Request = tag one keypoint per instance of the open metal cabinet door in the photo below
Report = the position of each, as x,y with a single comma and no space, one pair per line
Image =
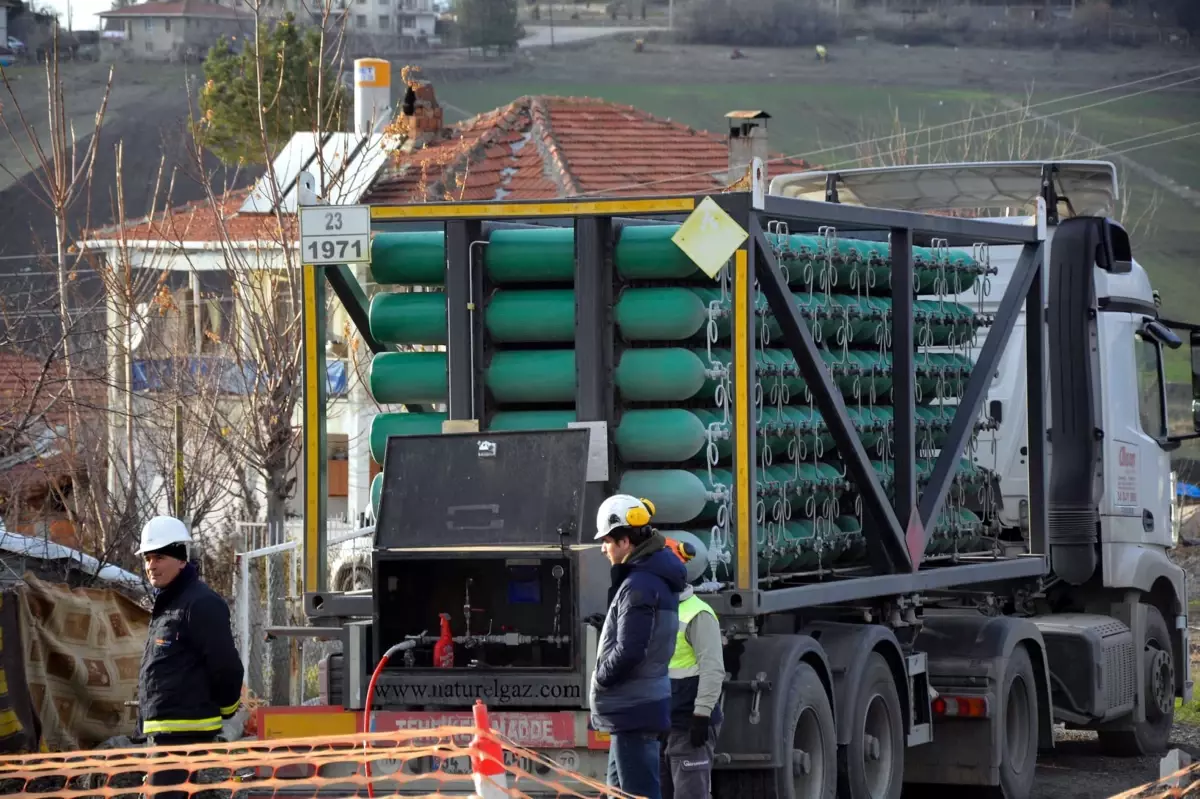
491,490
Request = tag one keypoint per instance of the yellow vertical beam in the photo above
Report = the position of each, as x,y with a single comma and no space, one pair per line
743,498
313,410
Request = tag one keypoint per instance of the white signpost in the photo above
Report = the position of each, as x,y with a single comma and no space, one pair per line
335,234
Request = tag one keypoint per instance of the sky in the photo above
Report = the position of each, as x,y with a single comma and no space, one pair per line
83,12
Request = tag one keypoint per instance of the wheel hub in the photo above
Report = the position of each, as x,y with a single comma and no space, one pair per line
801,763
1160,681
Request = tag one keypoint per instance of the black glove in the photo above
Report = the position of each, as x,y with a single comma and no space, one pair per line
595,620
699,731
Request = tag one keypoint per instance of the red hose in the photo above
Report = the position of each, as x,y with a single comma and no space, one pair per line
367,714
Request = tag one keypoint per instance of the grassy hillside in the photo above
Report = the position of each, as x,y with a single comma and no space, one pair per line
818,121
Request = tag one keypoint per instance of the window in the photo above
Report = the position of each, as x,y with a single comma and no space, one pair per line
361,20
408,22
167,25
149,47
148,24
385,22
1150,387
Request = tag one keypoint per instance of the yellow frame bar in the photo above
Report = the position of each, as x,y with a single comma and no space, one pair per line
558,208
312,432
742,498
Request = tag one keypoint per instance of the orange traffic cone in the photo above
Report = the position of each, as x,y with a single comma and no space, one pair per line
487,758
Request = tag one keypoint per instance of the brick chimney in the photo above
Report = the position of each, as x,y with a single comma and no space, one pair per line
421,114
747,140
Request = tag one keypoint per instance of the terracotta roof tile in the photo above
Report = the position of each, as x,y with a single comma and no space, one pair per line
202,220
535,148
544,147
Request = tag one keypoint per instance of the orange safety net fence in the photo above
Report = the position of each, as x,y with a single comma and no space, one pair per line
1165,788
433,762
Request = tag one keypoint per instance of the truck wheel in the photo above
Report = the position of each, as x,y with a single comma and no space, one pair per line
1019,727
809,769
871,766
1150,737
810,766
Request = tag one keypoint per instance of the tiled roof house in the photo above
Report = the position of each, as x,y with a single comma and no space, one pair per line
536,147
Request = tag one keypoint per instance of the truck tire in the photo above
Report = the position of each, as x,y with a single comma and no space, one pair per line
1150,737
1018,729
808,719
871,766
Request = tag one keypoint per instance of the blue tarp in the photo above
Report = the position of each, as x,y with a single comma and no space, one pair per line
1187,490
156,375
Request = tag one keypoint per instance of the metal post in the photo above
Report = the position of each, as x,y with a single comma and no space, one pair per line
316,467
462,350
745,494
904,397
593,334
1035,394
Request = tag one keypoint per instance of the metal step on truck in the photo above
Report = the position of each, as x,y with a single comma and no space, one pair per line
925,454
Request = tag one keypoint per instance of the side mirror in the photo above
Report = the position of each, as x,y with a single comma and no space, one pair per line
1194,341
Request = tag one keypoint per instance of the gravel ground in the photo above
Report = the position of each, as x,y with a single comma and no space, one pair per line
1077,770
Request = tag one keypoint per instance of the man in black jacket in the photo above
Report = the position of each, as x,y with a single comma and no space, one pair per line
191,676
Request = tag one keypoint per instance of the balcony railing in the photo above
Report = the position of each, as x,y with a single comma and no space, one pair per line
222,374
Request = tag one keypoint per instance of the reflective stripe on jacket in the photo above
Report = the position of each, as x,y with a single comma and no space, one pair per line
191,675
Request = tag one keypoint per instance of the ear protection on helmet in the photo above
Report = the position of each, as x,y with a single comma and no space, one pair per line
638,516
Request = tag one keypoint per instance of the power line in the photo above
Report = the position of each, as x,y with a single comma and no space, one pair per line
1156,143
996,128
1110,145
941,126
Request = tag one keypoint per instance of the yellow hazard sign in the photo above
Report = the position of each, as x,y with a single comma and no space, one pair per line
710,237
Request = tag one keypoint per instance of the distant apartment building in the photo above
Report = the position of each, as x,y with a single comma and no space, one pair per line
174,30
406,22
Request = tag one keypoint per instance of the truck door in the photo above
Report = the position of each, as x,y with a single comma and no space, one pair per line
1136,507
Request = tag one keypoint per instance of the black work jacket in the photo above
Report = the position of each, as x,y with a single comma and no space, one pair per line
191,676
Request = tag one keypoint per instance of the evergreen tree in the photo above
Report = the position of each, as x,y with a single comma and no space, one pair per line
290,61
488,23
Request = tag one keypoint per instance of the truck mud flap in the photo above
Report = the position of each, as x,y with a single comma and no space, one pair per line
752,734
968,654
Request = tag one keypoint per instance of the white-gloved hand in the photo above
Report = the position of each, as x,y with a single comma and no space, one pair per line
233,728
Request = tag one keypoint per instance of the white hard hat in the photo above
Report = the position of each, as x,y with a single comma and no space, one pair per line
622,510
162,531
693,553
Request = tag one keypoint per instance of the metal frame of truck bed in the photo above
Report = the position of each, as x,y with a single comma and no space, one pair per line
886,527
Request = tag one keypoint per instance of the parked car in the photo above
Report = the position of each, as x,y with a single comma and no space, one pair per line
16,45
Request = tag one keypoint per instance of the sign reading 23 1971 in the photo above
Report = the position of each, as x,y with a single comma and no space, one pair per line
335,234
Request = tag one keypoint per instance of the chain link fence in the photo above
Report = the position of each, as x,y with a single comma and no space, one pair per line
268,592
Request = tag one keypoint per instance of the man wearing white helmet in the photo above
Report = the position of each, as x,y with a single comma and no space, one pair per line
191,676
697,672
630,689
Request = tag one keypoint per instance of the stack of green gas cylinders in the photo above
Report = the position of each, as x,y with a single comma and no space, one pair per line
673,377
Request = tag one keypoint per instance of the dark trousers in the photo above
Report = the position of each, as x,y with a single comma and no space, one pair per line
175,776
687,770
633,763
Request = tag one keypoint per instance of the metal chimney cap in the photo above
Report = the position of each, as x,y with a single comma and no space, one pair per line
747,115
